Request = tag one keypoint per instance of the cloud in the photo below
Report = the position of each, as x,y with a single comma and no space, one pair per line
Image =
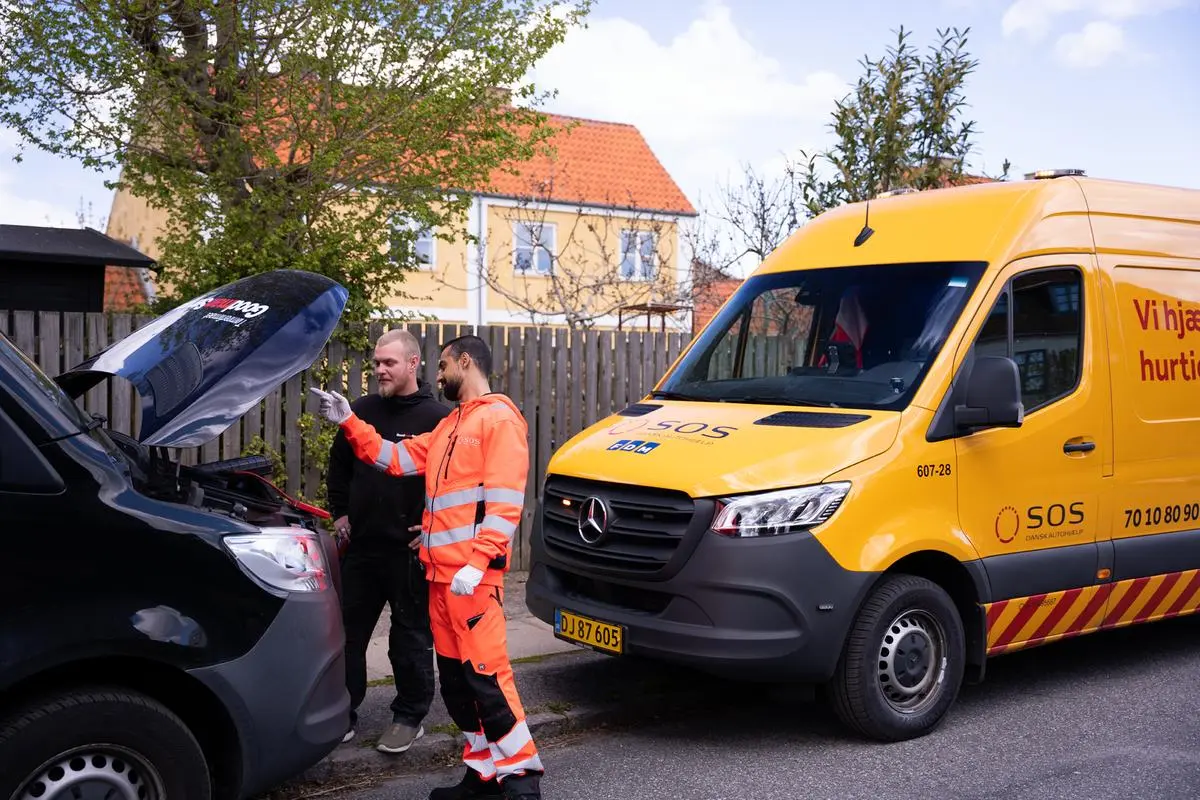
9,139
1092,46
16,207
20,210
1035,18
705,100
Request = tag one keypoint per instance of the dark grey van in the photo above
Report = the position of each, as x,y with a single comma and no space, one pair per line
167,632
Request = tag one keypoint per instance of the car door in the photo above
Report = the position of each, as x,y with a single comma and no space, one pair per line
1031,497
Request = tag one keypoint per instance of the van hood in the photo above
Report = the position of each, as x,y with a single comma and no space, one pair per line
715,449
203,364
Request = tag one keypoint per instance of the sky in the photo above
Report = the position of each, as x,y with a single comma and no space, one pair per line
1108,86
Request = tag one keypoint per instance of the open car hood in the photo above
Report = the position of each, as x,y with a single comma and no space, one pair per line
202,365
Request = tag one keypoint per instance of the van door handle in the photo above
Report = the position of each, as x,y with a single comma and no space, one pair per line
1079,447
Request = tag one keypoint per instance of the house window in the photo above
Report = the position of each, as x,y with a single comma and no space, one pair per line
639,250
411,241
533,248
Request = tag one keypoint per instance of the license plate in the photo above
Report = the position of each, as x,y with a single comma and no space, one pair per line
602,636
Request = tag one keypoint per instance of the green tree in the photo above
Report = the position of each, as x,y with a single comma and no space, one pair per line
283,133
903,126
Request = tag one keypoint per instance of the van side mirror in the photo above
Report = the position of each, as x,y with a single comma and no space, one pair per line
993,396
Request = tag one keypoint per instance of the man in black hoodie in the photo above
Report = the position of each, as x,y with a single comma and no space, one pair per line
376,512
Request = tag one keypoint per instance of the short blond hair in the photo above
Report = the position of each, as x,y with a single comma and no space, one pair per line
409,342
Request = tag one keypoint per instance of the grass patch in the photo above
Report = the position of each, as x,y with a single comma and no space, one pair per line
449,728
547,656
553,707
388,681
529,660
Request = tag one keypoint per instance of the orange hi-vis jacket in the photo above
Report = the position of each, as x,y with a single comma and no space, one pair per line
475,463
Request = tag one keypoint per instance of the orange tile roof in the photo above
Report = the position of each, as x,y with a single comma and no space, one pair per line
966,179
585,161
123,289
708,299
594,163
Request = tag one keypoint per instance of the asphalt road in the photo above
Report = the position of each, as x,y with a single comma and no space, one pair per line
1112,715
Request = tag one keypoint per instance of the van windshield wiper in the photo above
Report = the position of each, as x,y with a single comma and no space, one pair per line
660,395
780,401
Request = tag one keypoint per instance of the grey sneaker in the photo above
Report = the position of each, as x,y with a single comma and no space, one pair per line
398,738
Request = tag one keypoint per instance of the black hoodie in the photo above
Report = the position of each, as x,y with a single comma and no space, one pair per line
380,506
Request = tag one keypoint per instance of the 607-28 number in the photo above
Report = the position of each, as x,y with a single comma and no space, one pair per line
1161,515
932,470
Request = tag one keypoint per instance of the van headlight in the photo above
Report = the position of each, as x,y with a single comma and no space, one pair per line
775,513
290,559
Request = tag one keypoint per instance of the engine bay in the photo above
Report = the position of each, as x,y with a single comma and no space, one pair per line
239,487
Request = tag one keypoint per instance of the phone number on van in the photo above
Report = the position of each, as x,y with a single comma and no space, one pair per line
1161,515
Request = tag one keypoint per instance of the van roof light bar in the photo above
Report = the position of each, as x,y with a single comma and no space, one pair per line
1043,174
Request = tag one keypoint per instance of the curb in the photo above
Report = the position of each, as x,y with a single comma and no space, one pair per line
358,759
638,698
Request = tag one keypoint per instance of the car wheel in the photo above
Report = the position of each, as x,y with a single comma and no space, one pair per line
100,743
902,664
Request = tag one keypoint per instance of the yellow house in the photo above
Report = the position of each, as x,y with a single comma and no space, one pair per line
586,233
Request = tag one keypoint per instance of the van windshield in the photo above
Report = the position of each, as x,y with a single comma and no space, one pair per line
840,337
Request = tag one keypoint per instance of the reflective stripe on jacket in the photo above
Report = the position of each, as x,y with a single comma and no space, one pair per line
475,462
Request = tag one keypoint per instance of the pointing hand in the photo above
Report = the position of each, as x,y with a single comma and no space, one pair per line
333,406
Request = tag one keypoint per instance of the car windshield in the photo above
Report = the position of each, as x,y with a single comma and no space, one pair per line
842,337
21,363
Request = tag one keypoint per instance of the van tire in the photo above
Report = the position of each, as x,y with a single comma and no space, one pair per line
105,730
878,695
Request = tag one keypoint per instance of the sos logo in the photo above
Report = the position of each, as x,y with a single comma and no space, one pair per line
1010,521
1055,515
672,426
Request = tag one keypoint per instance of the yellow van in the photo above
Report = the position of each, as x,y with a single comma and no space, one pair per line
940,428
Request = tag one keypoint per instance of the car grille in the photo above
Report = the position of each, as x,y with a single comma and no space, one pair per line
645,525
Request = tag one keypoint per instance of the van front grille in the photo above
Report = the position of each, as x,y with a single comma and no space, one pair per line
644,526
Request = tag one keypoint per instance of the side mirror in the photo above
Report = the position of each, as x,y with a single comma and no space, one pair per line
993,396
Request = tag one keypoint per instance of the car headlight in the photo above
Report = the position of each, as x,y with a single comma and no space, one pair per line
774,513
290,559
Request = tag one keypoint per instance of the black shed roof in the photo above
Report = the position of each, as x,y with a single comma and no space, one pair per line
67,246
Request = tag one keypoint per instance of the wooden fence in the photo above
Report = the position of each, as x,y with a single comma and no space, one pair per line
563,381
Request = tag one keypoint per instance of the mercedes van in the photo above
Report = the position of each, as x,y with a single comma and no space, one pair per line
166,631
928,430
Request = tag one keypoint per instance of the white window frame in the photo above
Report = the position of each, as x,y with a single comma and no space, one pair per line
424,235
640,272
545,240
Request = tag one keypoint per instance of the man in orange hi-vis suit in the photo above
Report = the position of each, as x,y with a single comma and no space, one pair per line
475,464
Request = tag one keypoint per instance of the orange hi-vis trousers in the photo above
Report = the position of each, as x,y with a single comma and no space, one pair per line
470,640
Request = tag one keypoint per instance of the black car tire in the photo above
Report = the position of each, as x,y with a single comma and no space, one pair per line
105,730
902,664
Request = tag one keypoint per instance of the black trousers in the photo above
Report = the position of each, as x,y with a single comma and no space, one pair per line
375,573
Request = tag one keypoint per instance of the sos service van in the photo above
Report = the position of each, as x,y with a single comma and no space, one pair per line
928,430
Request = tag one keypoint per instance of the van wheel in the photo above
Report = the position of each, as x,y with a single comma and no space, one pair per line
100,743
902,664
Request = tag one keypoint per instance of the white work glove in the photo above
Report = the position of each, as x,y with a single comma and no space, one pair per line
334,407
466,579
